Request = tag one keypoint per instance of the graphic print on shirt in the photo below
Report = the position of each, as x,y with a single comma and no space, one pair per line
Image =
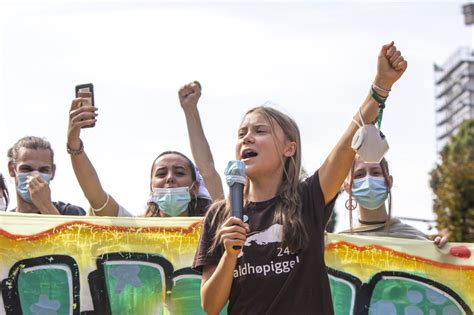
280,260
271,235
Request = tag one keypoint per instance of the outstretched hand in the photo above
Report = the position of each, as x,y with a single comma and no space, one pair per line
79,117
189,95
390,66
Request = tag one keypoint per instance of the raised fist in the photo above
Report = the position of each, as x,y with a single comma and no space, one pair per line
189,94
390,66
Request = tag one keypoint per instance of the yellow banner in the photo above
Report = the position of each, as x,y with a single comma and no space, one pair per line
383,275
91,265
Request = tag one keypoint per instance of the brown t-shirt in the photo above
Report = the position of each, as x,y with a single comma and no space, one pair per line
268,278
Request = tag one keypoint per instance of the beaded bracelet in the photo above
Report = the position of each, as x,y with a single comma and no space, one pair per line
75,152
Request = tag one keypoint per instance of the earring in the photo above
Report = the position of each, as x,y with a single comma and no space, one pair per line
351,204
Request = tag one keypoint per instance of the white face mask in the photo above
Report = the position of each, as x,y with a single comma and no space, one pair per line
369,142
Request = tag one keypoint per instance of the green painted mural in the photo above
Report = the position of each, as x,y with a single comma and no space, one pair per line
88,268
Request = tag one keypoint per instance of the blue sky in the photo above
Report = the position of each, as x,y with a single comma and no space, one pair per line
314,60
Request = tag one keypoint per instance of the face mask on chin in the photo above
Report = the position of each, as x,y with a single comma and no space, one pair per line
370,192
172,201
22,185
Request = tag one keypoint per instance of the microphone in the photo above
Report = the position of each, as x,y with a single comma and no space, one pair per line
235,175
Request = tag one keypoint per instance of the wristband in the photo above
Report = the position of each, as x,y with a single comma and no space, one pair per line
376,96
379,99
380,88
75,152
103,207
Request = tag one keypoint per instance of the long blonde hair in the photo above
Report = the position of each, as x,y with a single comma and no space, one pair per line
288,204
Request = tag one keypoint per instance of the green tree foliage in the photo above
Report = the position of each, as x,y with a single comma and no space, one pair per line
452,182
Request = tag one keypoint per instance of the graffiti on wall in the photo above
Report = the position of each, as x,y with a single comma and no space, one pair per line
398,276
58,265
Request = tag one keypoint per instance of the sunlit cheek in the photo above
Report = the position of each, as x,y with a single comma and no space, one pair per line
237,152
157,183
185,181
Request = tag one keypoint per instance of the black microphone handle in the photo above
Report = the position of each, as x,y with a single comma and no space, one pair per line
236,203
237,200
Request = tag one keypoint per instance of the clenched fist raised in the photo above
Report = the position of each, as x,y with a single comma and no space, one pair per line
189,94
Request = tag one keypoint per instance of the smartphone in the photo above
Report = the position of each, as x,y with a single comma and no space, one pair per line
88,87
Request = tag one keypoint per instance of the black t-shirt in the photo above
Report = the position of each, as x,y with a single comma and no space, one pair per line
268,278
65,208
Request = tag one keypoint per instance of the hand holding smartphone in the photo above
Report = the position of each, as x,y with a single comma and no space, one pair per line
86,91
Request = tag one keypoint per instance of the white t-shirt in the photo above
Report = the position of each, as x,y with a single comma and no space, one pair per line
122,212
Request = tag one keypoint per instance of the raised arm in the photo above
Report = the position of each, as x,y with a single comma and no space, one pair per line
189,96
390,67
80,116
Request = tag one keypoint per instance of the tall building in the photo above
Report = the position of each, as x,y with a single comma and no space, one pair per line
454,88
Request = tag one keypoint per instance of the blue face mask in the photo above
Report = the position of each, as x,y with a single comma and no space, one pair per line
172,201
370,192
22,188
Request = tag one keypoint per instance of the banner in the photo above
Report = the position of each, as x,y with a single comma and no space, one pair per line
91,265
382,275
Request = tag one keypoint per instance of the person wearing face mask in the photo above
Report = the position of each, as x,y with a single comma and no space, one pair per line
369,188
4,196
176,187
284,215
31,164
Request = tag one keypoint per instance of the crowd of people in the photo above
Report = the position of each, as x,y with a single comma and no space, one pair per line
278,201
